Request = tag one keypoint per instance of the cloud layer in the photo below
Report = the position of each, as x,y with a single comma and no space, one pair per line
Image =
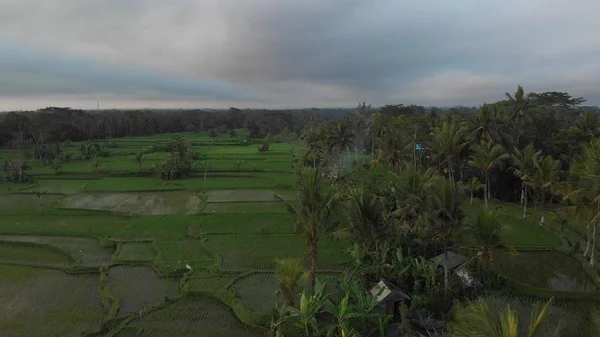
288,53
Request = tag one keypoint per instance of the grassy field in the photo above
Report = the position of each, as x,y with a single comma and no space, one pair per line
138,241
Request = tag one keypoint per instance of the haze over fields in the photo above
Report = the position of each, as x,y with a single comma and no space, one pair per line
274,53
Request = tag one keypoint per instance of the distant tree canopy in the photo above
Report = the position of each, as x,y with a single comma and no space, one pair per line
552,128
56,124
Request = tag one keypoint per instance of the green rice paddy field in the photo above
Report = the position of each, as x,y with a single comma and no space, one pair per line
112,251
87,246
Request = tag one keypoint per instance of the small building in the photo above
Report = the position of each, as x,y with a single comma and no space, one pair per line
454,260
456,264
389,296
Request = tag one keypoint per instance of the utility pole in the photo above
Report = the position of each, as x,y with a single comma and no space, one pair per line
97,105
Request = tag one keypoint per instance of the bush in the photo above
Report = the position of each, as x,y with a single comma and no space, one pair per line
56,165
179,164
67,157
88,150
48,153
15,172
263,148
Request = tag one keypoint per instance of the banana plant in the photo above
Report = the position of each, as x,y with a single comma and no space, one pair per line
343,314
306,313
425,270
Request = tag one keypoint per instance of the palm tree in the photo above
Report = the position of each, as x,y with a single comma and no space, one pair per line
482,126
340,138
411,192
314,138
394,146
524,170
518,104
546,177
362,116
589,124
313,215
375,129
290,273
474,185
447,213
486,231
312,155
586,171
485,157
366,221
492,317
447,144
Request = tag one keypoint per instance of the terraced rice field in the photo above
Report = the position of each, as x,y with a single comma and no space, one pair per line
139,287
191,317
86,251
42,302
551,270
121,219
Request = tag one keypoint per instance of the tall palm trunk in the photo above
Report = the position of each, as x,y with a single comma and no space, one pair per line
543,219
485,188
446,271
450,172
471,196
373,148
312,263
588,239
489,190
524,202
348,149
592,256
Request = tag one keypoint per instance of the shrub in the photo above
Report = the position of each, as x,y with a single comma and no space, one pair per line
139,159
263,148
67,157
56,165
47,153
15,171
89,150
239,164
96,162
179,163
213,136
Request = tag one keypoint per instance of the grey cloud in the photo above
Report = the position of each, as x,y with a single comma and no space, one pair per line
299,53
26,71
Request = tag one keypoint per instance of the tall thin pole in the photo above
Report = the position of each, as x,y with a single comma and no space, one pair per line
97,105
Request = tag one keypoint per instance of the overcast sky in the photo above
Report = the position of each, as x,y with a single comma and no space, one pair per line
293,53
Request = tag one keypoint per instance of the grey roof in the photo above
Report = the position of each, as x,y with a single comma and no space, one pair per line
454,259
390,292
